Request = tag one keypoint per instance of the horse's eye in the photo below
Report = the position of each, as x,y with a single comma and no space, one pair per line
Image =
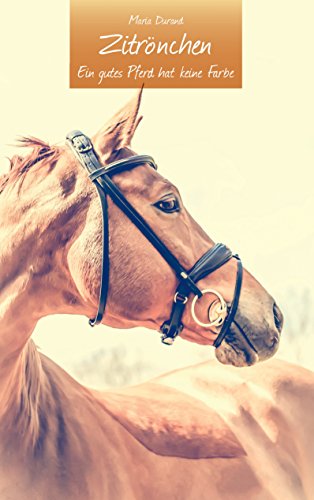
168,205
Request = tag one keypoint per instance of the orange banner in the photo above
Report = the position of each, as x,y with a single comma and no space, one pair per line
190,44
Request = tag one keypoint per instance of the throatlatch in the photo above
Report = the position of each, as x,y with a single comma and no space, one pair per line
212,260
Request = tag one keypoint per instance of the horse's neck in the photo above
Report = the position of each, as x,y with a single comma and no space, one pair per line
18,304
16,247
17,323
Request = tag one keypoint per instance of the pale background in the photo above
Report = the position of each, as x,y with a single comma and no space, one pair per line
243,160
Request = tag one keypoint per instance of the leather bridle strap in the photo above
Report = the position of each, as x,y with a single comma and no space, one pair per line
84,150
208,263
234,305
104,280
212,260
118,198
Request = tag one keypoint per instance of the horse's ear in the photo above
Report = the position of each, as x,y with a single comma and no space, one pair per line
118,132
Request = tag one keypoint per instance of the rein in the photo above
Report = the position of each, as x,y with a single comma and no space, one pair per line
212,260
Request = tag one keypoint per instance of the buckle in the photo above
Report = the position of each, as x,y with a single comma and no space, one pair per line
82,144
167,340
180,298
165,330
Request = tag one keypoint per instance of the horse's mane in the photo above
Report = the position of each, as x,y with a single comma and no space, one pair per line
25,406
41,151
29,415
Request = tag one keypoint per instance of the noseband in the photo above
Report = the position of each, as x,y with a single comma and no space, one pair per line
212,260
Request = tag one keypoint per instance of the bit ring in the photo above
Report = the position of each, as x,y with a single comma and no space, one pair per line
222,313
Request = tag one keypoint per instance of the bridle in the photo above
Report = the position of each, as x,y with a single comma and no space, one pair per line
213,259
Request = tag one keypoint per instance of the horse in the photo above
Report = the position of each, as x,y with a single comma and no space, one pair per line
197,433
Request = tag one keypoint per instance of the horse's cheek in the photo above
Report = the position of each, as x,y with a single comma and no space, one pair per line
84,261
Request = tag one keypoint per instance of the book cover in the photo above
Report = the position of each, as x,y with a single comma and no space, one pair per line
135,137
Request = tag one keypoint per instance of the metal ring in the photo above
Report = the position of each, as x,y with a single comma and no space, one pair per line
223,304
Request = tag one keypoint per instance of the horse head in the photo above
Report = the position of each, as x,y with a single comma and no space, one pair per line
53,232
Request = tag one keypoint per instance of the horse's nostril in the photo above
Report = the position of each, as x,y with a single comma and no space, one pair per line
278,317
